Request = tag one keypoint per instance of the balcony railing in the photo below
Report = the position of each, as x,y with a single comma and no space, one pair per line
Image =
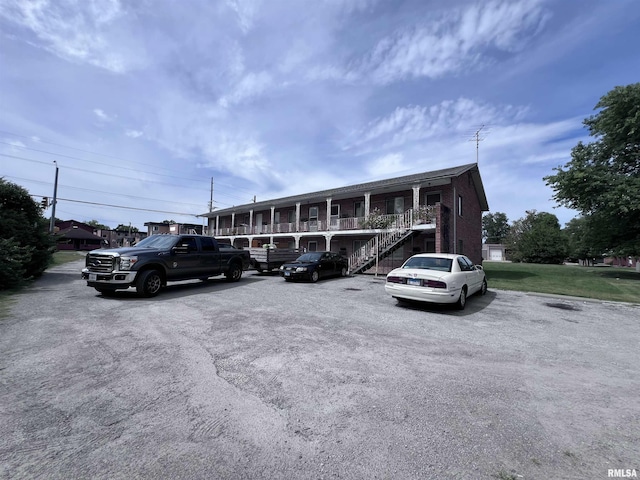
424,215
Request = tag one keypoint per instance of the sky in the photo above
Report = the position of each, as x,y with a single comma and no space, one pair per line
148,108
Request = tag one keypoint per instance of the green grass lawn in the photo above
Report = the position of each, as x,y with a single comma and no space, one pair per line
603,283
65,257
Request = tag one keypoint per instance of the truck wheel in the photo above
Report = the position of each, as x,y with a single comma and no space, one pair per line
235,272
149,283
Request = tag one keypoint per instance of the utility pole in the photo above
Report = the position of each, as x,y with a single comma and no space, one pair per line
211,201
53,203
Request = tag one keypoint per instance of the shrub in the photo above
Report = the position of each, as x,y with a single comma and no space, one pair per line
26,248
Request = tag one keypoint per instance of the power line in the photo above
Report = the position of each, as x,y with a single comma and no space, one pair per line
235,187
126,208
113,175
99,191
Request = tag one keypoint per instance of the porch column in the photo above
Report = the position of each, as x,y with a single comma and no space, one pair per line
367,204
217,224
328,213
273,217
298,221
233,223
296,238
416,197
251,221
327,241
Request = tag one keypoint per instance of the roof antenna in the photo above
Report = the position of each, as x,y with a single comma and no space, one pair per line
477,138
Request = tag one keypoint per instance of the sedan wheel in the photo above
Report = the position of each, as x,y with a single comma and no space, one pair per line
315,276
343,272
483,288
462,301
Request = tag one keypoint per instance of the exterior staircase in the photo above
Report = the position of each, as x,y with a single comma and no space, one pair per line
383,244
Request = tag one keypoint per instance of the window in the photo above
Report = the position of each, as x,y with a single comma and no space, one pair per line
335,210
188,243
276,217
395,205
291,216
460,205
358,208
207,244
312,246
313,213
155,228
460,246
432,198
464,266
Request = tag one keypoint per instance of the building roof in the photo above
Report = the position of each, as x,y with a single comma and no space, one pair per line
77,233
387,184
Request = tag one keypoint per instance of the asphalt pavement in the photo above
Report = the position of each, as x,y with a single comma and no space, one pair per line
264,379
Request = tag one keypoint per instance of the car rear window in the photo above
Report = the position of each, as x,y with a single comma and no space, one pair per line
429,263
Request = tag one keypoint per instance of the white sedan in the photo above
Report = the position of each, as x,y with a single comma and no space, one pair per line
436,278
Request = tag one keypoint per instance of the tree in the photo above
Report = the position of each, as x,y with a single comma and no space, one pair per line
97,225
537,238
126,228
495,227
602,180
26,248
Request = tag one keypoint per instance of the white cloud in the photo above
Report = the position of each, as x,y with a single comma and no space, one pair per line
454,43
133,133
418,123
252,85
73,30
246,11
388,165
102,115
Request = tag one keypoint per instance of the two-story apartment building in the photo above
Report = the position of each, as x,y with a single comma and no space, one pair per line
438,211
155,228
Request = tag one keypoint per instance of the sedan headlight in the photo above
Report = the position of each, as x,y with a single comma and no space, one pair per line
301,269
127,262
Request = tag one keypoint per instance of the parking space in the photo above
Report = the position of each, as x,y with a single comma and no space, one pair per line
268,379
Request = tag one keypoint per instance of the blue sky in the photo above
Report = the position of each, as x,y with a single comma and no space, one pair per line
141,103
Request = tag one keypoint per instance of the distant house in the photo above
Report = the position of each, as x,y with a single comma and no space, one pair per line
494,252
438,211
120,238
74,235
154,228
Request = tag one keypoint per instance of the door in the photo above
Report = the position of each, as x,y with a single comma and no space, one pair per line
211,257
335,216
474,276
258,223
327,265
185,259
313,219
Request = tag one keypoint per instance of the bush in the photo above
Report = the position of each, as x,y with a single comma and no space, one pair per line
26,248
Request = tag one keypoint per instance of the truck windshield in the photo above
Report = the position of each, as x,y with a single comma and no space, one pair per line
158,241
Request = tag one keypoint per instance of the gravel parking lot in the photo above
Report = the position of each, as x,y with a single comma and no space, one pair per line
264,379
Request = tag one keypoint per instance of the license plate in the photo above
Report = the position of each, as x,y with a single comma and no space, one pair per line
93,277
414,281
287,274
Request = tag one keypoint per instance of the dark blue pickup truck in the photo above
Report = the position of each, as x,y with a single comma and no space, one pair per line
159,259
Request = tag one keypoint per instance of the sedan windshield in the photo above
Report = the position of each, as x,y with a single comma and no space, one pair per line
157,241
429,263
309,257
